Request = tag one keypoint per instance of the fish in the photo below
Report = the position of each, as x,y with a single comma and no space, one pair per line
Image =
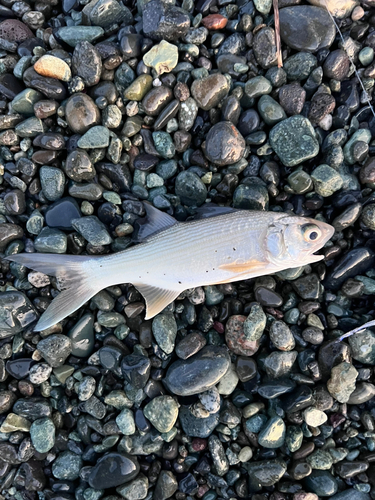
218,246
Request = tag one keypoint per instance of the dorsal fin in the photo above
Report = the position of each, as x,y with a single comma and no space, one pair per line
211,210
154,222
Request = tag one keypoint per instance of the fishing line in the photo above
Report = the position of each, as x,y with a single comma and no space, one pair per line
359,329
350,59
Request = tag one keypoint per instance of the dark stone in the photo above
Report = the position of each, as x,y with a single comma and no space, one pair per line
275,388
105,89
14,30
33,408
50,140
190,345
197,427
248,122
321,105
224,144
300,399
155,100
81,113
50,87
78,166
87,63
198,373
19,368
26,47
354,263
336,65
322,483
33,475
8,233
14,202
332,353
61,213
264,46
113,469
246,368
131,45
164,21
136,370
10,86
306,27
292,98
119,174
267,297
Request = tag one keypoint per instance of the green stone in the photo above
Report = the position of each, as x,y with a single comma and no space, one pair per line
124,76
51,240
42,434
135,490
213,295
300,181
118,399
366,56
293,438
190,188
23,63
251,196
164,329
93,230
258,86
125,422
363,347
273,433
30,128
24,101
294,141
63,372
255,323
162,57
368,217
319,460
35,222
270,110
92,493
166,169
82,336
162,412
362,135
110,319
263,6
164,144
75,34
138,88
14,423
52,180
95,137
326,180
264,473
107,12
300,65
67,466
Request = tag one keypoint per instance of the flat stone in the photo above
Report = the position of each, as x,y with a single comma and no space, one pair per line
338,8
52,180
93,230
265,473
104,13
75,34
164,329
51,240
326,180
96,137
293,140
24,101
166,485
304,27
272,435
164,21
135,490
42,434
198,373
125,422
61,213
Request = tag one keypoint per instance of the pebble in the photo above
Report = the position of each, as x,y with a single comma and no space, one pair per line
81,113
86,63
42,434
209,91
55,349
67,466
53,67
272,434
342,381
93,230
199,372
306,28
293,140
72,35
162,412
224,144
163,57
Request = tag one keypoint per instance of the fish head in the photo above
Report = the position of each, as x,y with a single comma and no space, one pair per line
293,240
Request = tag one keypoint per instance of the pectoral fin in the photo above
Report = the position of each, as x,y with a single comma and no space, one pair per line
239,267
156,298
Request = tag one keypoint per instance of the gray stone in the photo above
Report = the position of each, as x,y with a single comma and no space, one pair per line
162,412
16,313
199,372
42,434
55,349
164,329
93,230
67,466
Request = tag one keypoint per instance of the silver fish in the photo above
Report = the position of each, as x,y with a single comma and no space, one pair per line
175,256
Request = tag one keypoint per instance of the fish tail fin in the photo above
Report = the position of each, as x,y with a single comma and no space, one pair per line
79,276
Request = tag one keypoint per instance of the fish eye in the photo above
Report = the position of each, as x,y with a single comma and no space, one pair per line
311,232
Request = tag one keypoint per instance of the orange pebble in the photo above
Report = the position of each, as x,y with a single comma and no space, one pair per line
214,22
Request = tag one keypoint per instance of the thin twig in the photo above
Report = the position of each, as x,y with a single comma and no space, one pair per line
277,33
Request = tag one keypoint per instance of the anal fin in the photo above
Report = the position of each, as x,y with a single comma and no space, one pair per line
156,298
